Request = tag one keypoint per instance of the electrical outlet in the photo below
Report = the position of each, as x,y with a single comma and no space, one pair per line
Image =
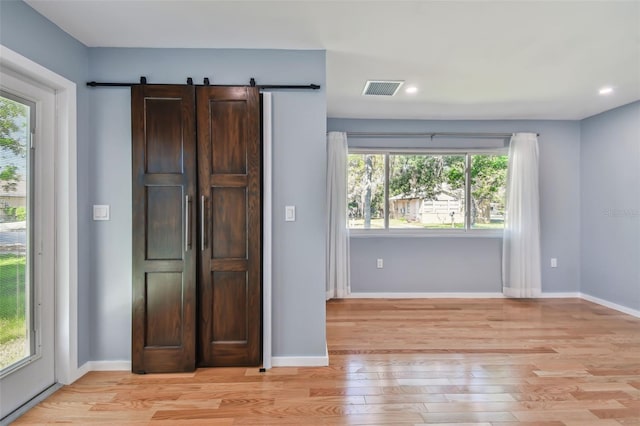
554,262
380,264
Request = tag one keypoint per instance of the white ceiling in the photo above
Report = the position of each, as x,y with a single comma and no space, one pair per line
469,60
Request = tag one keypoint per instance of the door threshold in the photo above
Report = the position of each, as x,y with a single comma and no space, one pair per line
15,414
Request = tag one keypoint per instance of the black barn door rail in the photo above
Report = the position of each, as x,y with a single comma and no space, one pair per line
206,82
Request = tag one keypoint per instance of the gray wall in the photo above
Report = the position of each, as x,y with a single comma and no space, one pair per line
25,31
473,264
426,264
610,176
299,179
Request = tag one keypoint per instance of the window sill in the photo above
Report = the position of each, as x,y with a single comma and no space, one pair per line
397,233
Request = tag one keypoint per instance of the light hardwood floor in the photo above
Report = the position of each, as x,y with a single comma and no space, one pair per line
481,362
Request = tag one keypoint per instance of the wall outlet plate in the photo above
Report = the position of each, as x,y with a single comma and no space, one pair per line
290,213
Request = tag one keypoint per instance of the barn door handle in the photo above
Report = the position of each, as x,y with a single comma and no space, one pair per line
203,201
187,225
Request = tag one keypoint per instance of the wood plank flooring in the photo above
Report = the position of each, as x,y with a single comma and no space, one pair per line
430,361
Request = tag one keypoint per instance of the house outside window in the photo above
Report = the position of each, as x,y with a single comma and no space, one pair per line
426,190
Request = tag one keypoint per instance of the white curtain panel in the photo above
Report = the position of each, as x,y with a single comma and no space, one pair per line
337,232
521,243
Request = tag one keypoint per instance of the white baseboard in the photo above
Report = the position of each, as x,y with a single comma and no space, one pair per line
101,366
104,366
425,296
111,365
559,295
301,361
611,305
454,295
276,361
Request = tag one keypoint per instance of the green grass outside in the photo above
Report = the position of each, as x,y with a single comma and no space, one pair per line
12,299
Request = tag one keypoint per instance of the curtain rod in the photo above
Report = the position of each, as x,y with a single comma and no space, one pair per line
252,83
430,135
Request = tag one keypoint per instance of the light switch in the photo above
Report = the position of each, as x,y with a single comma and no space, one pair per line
290,213
100,212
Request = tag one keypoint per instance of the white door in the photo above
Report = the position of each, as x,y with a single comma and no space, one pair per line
27,113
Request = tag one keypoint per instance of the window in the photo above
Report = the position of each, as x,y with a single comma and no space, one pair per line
426,190
365,190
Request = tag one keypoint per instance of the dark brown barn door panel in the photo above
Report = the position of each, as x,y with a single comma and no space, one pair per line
164,229
229,176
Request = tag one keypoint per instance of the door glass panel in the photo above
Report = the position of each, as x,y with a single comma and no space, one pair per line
16,342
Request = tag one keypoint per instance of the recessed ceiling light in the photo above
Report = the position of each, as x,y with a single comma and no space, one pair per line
606,90
411,89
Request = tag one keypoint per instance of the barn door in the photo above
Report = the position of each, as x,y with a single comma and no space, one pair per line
229,172
164,231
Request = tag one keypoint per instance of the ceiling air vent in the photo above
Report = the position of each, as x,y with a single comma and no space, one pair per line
381,87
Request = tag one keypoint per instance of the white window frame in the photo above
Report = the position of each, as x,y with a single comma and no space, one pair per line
413,232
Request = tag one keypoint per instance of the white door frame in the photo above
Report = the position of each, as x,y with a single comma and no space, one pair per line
66,211
267,230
